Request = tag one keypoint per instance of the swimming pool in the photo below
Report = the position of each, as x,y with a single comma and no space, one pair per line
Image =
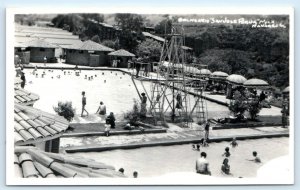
156,161
114,88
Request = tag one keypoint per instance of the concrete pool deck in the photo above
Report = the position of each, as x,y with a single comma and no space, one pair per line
174,136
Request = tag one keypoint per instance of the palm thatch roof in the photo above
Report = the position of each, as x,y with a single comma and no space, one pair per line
121,53
39,43
89,46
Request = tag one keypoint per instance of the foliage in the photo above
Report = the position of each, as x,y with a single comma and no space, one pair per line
114,44
234,61
79,24
164,27
96,39
32,19
150,47
238,105
65,109
128,21
73,21
134,115
243,102
131,25
254,107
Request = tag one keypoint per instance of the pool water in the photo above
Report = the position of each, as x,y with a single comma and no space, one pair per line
156,161
114,88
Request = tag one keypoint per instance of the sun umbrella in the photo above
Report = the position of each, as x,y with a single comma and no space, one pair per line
236,79
121,53
219,74
286,90
205,72
255,83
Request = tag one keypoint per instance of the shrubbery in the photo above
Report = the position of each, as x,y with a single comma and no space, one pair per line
134,115
65,109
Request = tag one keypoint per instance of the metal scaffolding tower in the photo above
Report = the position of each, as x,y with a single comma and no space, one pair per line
174,85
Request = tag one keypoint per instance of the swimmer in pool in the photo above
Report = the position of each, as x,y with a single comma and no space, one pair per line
256,158
226,153
233,142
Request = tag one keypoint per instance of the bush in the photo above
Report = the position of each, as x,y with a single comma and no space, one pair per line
238,105
134,115
65,109
254,107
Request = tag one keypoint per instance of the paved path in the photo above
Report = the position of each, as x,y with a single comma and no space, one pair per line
175,134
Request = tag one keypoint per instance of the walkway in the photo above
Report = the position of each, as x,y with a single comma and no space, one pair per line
175,135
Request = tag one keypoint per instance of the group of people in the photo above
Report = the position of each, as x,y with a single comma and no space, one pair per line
109,120
202,164
115,62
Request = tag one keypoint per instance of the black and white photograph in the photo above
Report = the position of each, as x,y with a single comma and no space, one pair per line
132,98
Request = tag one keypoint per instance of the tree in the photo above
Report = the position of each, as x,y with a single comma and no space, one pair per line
238,105
65,109
151,48
131,25
164,27
96,39
134,115
254,107
129,22
114,44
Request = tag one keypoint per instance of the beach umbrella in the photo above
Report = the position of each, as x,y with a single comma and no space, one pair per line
205,72
165,64
219,74
190,69
286,90
279,168
255,83
236,79
121,53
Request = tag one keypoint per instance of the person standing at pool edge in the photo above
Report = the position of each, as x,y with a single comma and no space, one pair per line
45,60
23,79
206,128
111,118
83,104
143,105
